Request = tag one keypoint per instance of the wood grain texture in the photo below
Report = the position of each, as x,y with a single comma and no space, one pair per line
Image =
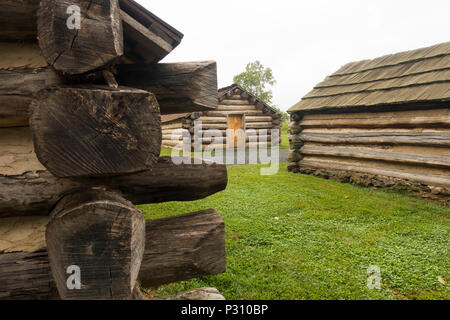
26,276
190,245
96,132
97,43
432,118
37,193
102,234
18,20
438,139
179,87
196,242
370,154
17,89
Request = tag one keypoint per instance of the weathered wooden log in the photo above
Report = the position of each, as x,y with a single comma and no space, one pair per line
17,90
96,132
95,242
223,114
26,276
191,244
147,39
18,20
77,36
230,102
197,245
438,139
18,87
371,154
379,170
37,193
374,122
179,87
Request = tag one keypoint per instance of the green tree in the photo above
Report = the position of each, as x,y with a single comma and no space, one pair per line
257,80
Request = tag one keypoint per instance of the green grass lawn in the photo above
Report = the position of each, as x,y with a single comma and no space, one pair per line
292,236
284,136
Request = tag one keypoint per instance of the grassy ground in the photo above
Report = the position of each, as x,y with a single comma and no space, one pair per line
293,236
284,136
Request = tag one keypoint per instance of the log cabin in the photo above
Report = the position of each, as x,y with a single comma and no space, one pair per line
80,139
383,122
237,110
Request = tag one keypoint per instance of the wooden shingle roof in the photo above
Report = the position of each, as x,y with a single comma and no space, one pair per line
411,77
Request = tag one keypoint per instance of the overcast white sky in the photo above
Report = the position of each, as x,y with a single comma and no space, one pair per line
302,41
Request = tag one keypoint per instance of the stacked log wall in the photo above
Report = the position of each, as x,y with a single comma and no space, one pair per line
254,119
380,149
75,158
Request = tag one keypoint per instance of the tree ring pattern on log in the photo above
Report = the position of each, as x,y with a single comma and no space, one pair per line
96,132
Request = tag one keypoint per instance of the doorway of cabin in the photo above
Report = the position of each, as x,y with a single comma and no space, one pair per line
236,124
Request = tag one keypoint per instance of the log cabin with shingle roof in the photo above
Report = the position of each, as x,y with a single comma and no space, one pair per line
237,109
381,122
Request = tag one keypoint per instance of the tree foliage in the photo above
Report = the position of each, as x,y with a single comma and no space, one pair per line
257,80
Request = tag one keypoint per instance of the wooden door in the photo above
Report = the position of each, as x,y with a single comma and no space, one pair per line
236,122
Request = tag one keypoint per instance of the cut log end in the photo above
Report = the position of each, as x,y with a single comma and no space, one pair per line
79,36
81,132
95,244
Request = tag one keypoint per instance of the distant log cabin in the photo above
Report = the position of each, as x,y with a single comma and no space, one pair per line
238,109
382,122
